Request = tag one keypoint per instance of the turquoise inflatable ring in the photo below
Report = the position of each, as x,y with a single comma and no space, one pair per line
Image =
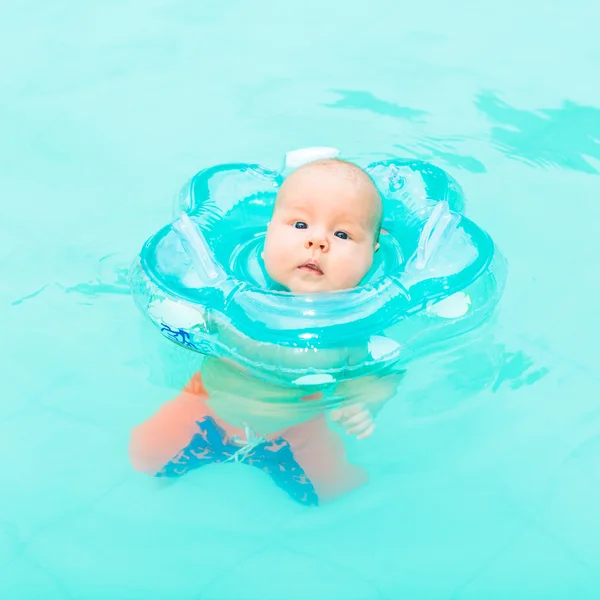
201,280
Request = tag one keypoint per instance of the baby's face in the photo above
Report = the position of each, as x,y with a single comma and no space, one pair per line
323,233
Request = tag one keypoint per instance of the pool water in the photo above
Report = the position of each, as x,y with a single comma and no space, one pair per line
485,480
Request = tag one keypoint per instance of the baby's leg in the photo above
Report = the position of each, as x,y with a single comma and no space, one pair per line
180,436
309,462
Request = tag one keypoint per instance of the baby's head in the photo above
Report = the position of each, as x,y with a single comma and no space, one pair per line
325,228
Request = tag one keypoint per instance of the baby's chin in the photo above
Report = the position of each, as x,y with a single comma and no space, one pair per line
305,283
316,285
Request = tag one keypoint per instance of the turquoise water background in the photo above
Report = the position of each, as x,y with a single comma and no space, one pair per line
485,478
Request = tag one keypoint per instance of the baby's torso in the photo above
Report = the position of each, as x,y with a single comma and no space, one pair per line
286,395
242,399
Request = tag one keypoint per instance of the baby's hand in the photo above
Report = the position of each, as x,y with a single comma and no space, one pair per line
356,419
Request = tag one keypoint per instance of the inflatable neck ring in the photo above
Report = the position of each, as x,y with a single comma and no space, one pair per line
202,282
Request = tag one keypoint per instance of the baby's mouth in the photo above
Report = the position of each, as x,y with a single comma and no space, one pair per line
312,266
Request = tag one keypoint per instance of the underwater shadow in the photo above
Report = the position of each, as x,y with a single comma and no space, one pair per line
548,137
458,378
496,369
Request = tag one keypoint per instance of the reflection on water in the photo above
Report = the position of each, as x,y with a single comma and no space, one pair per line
548,137
111,279
361,100
443,150
19,301
97,287
440,150
566,137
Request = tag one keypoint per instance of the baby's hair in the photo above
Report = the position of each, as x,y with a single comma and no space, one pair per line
351,171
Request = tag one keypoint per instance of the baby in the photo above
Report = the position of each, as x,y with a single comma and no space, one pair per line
322,237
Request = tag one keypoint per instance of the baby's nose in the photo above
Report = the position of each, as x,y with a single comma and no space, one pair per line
316,240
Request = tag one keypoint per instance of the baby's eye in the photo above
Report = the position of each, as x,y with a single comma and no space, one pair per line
342,235
300,225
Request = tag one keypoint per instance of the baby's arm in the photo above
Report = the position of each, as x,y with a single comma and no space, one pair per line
364,397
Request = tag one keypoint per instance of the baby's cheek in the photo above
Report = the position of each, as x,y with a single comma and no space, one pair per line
355,268
271,256
366,262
